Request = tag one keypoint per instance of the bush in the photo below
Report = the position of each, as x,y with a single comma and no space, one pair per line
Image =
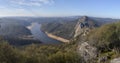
68,57
8,54
106,37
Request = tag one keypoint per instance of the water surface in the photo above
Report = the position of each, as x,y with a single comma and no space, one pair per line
40,35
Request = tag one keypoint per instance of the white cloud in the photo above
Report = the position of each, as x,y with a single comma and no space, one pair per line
16,7
15,12
32,2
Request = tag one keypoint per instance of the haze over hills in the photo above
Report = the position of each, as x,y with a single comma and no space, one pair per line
59,31
71,29
62,27
14,28
59,39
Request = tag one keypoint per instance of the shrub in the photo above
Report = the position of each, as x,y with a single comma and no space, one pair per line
106,37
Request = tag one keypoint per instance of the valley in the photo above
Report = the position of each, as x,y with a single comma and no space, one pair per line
40,35
81,39
59,31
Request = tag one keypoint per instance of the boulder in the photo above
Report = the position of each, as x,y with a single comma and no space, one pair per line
116,60
87,51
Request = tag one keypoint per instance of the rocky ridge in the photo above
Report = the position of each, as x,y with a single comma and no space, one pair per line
84,25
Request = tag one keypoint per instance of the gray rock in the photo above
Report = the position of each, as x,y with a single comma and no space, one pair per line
83,26
103,59
87,51
116,60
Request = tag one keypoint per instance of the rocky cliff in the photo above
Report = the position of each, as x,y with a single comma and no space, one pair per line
84,25
65,31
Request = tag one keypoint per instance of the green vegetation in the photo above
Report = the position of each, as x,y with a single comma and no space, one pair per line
13,30
106,37
107,40
65,53
8,54
61,29
14,33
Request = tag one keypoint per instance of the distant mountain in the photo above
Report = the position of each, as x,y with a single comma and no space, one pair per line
21,22
63,27
72,28
13,30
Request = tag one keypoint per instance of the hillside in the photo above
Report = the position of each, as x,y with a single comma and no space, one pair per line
101,45
15,32
74,52
62,29
70,29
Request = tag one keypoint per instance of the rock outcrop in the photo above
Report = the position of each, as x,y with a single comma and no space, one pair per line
116,60
87,51
84,25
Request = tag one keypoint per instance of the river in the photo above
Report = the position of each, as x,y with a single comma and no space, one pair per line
40,35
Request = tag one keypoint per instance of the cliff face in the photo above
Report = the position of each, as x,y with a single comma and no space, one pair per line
84,25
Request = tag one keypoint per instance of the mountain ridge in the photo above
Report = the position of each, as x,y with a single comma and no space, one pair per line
71,29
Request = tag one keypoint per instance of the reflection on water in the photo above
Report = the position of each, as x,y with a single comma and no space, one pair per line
39,35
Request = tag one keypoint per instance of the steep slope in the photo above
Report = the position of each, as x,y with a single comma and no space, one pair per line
13,30
61,29
84,25
16,34
101,45
70,29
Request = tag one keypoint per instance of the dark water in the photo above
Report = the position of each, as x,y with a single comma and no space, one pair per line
39,35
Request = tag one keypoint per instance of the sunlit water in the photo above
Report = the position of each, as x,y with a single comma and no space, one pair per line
39,35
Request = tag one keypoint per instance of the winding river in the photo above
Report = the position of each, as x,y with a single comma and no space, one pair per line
39,35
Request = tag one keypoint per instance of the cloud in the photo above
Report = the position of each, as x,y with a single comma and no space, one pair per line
15,12
22,7
32,2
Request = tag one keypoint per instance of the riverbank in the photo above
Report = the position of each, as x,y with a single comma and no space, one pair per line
38,34
57,38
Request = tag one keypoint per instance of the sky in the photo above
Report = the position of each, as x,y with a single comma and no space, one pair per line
56,8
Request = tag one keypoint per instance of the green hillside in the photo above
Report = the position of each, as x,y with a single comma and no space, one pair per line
105,39
63,29
107,36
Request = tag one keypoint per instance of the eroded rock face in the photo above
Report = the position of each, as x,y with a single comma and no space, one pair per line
83,26
116,60
87,51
